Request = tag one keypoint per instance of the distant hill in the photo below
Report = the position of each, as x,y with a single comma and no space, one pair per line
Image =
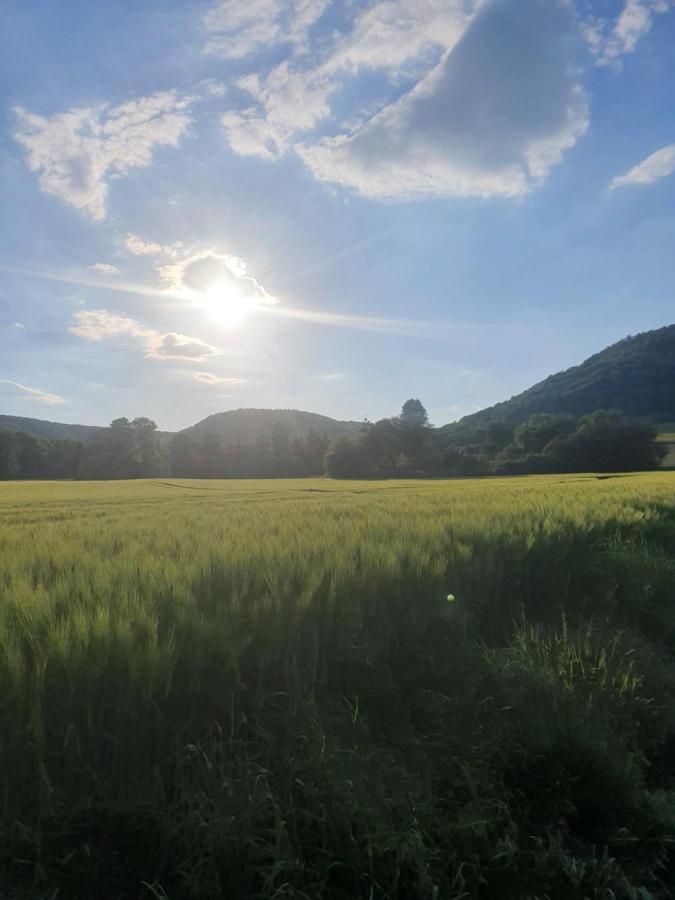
50,431
245,426
635,375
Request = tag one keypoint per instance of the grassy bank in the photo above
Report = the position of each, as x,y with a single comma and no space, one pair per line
260,688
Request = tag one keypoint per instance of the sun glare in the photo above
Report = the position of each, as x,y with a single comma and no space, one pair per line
225,303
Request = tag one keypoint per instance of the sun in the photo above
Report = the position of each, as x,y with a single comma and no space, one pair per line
225,303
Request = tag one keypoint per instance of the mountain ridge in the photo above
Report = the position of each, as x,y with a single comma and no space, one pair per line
635,375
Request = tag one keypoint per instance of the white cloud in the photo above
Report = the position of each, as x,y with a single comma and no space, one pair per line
179,346
100,324
659,165
236,29
388,36
393,32
610,41
105,268
470,114
139,247
34,394
219,283
20,326
209,378
77,153
490,119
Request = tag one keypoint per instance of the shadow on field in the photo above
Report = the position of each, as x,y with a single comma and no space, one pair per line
518,741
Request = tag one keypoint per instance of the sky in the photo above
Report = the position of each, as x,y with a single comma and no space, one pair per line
330,205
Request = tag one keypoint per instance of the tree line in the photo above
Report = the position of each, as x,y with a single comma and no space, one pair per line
401,446
133,449
407,445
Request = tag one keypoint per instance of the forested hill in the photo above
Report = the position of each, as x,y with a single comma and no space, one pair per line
238,426
635,375
51,431
246,426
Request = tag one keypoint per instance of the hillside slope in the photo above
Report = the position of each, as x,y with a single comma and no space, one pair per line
245,426
635,375
50,431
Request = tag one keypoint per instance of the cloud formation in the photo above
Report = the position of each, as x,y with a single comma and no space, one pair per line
139,247
610,41
491,119
29,393
78,152
209,378
471,114
659,165
235,29
207,277
105,268
296,96
100,325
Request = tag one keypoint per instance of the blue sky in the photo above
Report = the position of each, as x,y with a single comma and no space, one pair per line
329,206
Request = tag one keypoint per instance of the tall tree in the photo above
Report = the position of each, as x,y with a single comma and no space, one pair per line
413,414
148,453
415,436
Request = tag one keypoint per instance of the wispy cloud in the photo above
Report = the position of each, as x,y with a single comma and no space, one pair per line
609,41
76,153
659,165
235,29
471,114
179,347
105,268
139,247
331,376
100,325
34,394
391,36
209,378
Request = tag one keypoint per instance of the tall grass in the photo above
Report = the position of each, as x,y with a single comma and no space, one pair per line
260,689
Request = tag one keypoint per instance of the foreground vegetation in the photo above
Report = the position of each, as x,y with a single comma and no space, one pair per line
316,689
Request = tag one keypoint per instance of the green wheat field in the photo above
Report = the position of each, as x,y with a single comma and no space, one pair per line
318,689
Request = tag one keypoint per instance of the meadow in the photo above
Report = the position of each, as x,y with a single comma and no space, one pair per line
330,689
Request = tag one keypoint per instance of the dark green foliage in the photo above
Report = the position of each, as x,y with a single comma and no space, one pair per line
9,454
400,446
600,442
540,429
346,459
275,456
406,446
635,375
26,457
245,426
128,449
125,450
